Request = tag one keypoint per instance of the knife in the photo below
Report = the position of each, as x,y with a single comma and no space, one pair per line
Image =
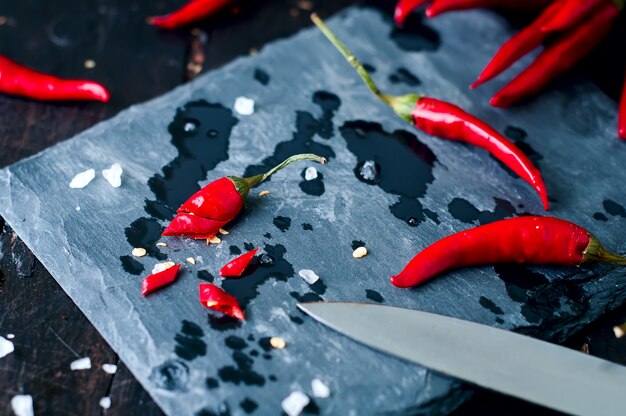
537,371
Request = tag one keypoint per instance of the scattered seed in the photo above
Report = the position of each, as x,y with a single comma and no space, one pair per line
159,267
3,20
139,252
305,4
223,231
90,64
190,260
359,252
263,193
161,244
278,343
619,330
215,240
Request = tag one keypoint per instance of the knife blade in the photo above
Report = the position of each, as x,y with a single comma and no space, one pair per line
514,364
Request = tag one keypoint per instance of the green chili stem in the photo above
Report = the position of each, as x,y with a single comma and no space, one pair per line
255,180
596,252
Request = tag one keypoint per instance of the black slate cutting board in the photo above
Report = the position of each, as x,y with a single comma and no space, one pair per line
308,99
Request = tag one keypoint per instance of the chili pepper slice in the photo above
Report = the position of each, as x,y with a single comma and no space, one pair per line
520,44
622,114
212,297
160,279
236,267
443,6
190,12
570,14
219,202
447,121
569,48
532,240
16,79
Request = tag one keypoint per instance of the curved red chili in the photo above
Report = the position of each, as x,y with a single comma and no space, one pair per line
533,240
448,121
190,12
404,8
212,297
520,44
569,48
622,114
443,6
236,267
570,14
16,79
158,280
219,202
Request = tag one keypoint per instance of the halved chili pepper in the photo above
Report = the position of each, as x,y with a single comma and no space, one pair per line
236,267
190,12
622,114
447,121
532,240
214,298
569,48
160,279
16,79
520,44
219,202
443,6
571,13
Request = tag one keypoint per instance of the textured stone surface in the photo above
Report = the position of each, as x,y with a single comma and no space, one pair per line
310,100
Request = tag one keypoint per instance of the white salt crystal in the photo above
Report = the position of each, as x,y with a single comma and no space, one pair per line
295,403
105,402
159,267
22,405
6,346
310,173
319,389
81,364
109,368
82,179
114,175
244,106
10,336
77,208
309,276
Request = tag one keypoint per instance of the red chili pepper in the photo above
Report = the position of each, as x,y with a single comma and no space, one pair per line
570,14
404,9
236,267
443,6
190,12
622,114
533,240
556,58
214,298
447,121
160,279
519,45
219,202
16,79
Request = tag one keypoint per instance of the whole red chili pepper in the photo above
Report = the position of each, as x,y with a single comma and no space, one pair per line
520,44
16,79
556,58
622,114
443,6
214,298
533,240
448,121
160,279
190,12
571,13
219,202
236,267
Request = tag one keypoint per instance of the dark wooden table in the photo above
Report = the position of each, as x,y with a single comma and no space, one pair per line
137,63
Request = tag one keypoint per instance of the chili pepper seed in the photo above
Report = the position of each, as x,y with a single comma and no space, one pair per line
278,343
161,244
90,64
215,240
139,252
190,260
359,252
223,231
263,193
619,330
159,267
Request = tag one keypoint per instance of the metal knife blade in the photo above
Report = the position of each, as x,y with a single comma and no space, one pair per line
517,365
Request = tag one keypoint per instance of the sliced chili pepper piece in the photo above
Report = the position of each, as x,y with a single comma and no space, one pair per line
160,279
443,6
194,226
447,121
16,79
622,114
404,8
236,267
569,48
519,45
214,298
190,12
570,14
531,240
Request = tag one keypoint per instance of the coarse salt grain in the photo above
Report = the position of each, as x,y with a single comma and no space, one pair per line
309,276
295,403
159,267
319,388
113,175
6,347
82,179
10,336
359,252
278,343
22,405
138,252
105,402
244,106
310,173
109,368
190,260
81,364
